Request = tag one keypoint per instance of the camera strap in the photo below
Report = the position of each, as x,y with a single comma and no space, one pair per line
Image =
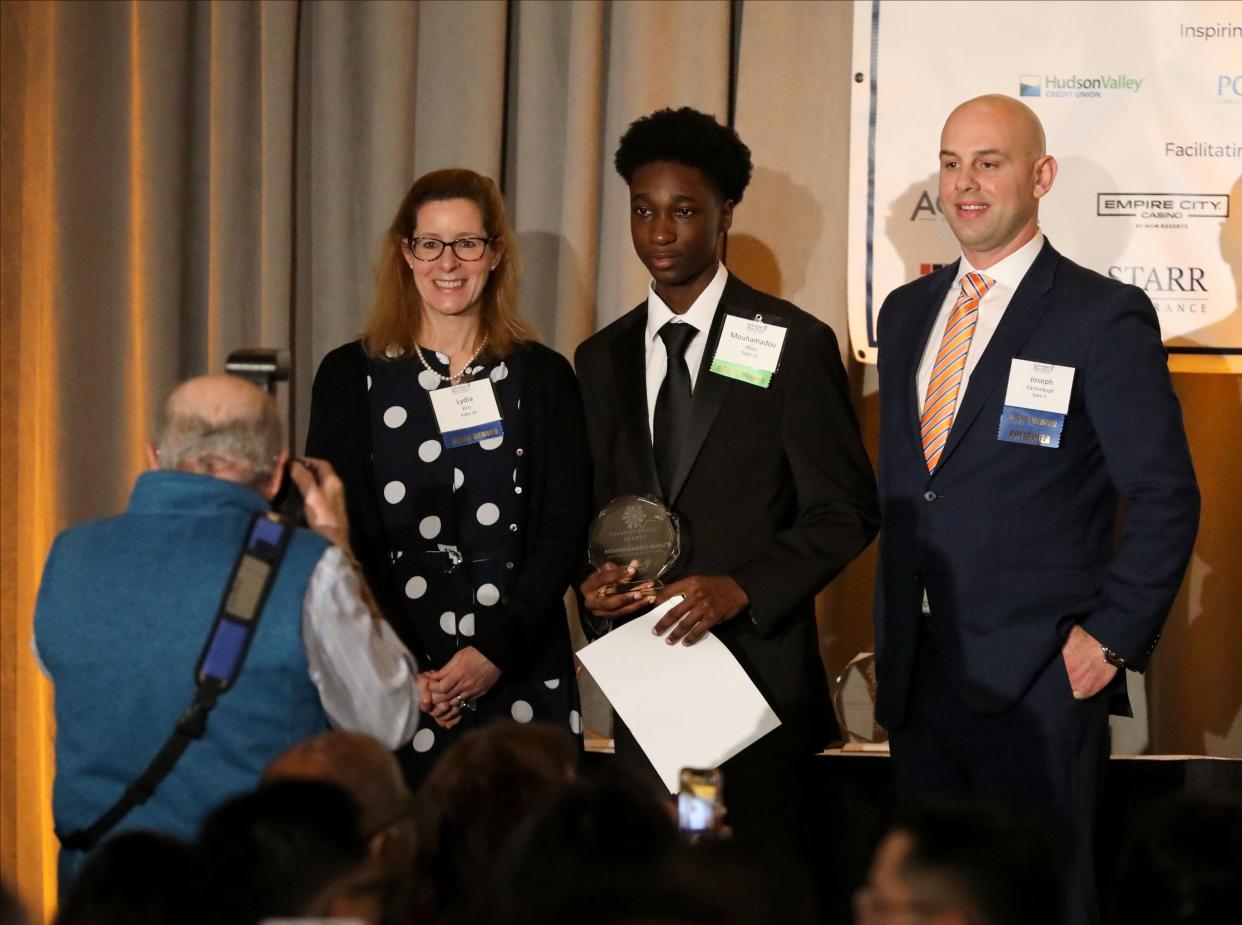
237,617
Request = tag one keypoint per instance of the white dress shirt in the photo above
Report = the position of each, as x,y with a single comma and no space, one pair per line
700,314
365,676
1006,275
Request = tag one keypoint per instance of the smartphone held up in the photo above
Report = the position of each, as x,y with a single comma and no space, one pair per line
700,803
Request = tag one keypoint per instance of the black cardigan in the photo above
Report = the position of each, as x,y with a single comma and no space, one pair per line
553,463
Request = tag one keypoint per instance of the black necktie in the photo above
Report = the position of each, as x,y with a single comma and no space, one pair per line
672,408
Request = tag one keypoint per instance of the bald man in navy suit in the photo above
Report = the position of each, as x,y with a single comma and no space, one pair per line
1021,397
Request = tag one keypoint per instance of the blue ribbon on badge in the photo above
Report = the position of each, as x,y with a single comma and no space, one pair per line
1029,426
468,435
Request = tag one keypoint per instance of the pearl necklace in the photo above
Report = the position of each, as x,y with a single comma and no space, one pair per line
451,380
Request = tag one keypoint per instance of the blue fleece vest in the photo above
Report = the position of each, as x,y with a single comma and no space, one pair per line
124,608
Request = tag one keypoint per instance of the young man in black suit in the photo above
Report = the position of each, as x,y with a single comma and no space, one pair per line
766,472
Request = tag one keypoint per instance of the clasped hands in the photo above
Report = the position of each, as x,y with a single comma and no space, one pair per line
444,692
706,601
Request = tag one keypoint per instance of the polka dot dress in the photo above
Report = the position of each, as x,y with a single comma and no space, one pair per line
454,519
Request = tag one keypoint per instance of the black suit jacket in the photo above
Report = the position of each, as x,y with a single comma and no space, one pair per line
1016,543
774,488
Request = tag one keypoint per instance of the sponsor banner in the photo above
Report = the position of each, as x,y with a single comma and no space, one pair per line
1142,106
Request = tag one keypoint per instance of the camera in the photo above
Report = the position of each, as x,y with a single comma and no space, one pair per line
266,366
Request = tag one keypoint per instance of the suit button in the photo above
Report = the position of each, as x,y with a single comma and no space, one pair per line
513,528
929,495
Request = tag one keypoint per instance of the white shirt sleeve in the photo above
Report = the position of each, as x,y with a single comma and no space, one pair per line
365,676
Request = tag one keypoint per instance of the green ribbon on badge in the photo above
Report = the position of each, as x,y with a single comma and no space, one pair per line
742,373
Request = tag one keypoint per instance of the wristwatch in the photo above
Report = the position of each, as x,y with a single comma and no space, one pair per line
1113,658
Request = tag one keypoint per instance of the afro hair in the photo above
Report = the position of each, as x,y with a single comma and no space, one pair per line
687,136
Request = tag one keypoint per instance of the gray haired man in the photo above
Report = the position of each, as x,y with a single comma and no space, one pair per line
128,603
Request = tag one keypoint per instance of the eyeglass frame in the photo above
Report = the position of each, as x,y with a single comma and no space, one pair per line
409,245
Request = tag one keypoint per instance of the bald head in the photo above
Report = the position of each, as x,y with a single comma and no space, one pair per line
221,426
357,763
1017,120
219,399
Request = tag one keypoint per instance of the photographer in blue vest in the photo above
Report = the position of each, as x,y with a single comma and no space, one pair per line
197,601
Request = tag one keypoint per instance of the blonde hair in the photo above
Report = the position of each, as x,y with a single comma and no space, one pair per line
396,317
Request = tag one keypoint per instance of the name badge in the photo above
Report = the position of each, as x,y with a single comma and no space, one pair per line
467,413
1036,401
749,350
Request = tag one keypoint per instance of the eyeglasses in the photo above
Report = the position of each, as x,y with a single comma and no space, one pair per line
467,249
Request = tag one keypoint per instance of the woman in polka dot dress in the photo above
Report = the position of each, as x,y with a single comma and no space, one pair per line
468,530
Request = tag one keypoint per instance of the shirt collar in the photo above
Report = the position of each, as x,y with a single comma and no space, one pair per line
173,491
1008,272
699,314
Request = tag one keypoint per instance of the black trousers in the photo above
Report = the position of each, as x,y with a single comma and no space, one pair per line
1046,757
776,812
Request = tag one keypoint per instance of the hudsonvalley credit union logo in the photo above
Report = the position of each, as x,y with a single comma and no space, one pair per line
1078,86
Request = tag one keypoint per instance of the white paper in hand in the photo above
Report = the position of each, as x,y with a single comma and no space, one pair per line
688,706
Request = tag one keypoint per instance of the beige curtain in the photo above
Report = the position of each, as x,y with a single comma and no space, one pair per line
789,234
181,179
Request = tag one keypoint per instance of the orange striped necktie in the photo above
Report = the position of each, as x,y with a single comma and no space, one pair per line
946,375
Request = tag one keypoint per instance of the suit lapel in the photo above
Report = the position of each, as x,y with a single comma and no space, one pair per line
629,369
709,389
1023,313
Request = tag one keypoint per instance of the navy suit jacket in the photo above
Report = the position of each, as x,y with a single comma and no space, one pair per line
1016,543
773,489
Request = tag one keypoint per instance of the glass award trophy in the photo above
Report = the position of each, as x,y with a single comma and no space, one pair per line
854,702
635,528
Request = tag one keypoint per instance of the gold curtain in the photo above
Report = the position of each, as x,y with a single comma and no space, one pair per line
30,415
181,179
